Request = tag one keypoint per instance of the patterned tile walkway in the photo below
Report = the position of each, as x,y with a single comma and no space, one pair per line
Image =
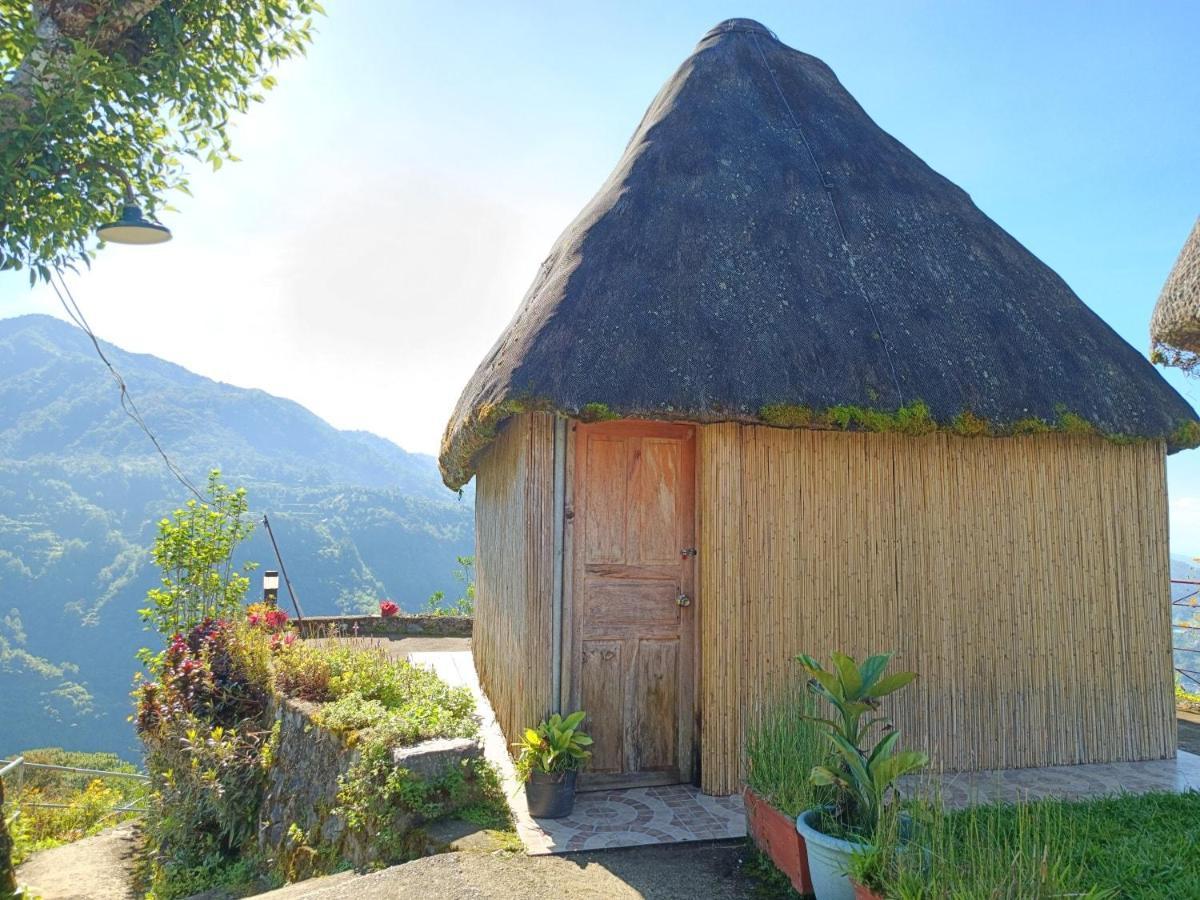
601,819
625,818
1068,782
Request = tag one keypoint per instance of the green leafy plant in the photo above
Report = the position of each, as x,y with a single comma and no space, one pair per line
864,773
555,745
783,745
194,549
438,605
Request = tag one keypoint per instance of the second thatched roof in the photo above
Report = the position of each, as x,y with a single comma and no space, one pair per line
764,252
1175,325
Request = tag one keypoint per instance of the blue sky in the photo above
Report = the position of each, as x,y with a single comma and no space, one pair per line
401,186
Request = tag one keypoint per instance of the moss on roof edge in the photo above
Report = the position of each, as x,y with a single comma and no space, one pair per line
460,452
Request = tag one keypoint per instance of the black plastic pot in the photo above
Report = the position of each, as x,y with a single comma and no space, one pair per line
550,795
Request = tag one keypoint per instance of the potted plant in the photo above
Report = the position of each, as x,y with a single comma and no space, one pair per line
551,756
863,773
784,744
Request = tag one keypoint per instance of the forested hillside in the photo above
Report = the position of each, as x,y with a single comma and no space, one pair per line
81,488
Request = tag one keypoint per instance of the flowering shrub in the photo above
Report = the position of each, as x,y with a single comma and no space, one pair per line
266,617
211,672
387,609
205,726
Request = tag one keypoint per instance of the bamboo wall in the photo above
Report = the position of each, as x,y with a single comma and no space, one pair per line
514,521
1025,579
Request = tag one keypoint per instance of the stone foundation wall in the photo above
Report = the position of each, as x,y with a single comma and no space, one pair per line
302,785
391,626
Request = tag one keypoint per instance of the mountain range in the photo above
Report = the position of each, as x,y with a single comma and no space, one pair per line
357,518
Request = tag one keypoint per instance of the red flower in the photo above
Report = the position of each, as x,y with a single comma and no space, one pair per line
387,609
276,619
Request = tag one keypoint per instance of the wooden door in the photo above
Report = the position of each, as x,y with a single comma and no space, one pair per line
633,604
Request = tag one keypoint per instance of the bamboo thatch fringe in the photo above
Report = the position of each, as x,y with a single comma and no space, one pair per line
1025,579
514,523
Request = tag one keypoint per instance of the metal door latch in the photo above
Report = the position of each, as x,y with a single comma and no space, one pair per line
686,552
683,600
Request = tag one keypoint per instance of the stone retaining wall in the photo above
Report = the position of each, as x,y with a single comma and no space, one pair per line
390,626
302,785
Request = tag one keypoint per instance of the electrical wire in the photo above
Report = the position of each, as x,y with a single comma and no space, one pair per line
67,299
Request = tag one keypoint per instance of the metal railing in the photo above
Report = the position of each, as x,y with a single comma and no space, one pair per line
15,771
1188,668
8,769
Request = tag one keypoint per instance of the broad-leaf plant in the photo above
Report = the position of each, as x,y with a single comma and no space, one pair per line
866,768
555,745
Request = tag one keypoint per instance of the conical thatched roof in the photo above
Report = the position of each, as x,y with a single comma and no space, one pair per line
1175,325
764,252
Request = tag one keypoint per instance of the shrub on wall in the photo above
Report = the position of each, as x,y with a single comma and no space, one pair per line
206,729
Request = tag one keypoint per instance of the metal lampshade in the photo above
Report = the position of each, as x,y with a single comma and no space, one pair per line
133,228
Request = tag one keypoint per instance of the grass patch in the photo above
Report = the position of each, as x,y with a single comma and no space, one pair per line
1124,846
1144,846
768,882
782,748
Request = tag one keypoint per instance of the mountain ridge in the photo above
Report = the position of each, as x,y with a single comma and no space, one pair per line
82,488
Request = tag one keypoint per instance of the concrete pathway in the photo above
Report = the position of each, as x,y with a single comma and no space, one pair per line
957,789
96,868
674,872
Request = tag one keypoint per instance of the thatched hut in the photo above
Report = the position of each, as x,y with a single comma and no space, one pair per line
1175,325
782,387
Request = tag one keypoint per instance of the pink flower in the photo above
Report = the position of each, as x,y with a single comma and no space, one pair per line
387,609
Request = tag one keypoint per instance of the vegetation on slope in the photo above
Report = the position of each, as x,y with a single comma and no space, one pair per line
83,803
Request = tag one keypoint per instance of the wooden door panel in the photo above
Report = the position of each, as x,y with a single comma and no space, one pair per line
602,679
656,705
632,656
613,607
604,527
652,537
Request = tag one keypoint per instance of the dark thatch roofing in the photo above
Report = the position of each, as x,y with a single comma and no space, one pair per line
764,252
1175,325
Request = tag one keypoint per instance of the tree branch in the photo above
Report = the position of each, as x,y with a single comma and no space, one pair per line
102,23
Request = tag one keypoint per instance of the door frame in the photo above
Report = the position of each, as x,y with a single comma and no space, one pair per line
568,696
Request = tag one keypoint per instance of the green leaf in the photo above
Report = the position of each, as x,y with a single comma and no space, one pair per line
847,674
872,668
892,683
574,720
